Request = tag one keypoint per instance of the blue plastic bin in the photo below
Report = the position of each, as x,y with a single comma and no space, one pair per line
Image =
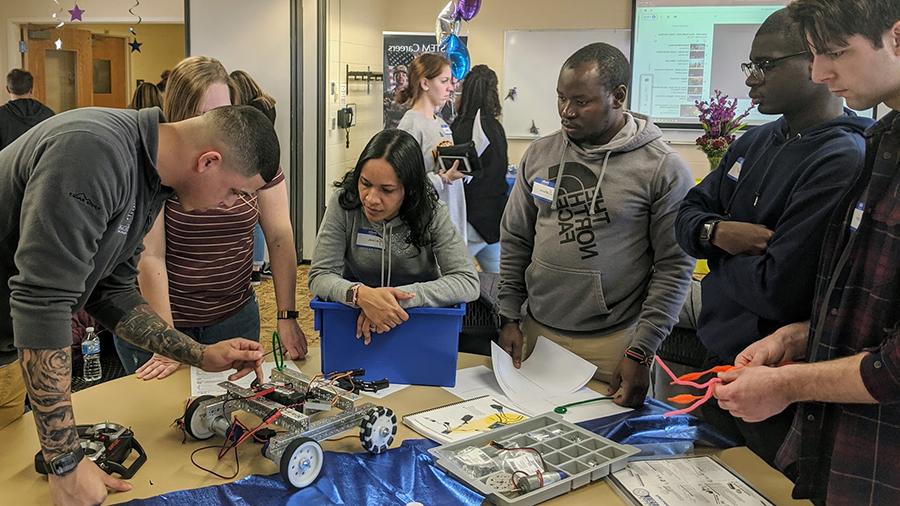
421,351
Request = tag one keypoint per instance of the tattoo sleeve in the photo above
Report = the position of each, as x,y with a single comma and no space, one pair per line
143,327
48,378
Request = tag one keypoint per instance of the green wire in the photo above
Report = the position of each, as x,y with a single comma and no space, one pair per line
278,351
562,409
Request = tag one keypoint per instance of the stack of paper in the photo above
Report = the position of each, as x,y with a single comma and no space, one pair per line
551,377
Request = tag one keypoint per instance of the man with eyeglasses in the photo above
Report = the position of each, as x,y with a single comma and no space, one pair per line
759,217
845,440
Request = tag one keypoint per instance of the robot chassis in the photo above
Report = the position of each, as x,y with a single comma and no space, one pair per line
296,451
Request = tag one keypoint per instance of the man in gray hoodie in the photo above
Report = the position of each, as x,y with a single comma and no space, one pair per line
587,235
79,191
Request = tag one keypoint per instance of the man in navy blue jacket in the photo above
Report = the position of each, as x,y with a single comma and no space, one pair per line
759,218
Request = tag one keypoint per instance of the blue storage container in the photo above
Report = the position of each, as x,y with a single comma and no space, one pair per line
420,351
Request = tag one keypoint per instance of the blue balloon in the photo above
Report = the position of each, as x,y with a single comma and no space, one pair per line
458,55
450,43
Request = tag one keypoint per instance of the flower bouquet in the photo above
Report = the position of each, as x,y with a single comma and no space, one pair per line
720,123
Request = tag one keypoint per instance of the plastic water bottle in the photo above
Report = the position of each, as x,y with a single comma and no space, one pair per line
90,350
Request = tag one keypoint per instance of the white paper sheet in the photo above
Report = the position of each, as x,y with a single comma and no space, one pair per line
693,481
478,136
551,369
477,381
207,383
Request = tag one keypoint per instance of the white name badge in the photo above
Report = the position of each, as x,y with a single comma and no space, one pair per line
366,238
445,131
856,219
735,171
542,189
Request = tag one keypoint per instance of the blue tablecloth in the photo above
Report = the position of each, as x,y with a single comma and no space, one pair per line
408,474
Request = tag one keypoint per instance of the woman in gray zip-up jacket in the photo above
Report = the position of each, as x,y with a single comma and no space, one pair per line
387,242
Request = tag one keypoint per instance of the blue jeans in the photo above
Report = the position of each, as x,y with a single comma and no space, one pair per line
244,323
487,254
259,245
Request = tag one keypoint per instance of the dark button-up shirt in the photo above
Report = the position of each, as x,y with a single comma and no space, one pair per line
848,453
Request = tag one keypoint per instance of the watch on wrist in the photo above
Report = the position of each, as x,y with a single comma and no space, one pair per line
503,320
639,356
707,231
287,314
65,463
352,296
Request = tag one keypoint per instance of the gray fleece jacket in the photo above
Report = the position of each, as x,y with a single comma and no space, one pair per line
603,254
79,191
351,249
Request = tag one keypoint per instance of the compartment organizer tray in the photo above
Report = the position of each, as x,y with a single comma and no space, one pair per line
582,455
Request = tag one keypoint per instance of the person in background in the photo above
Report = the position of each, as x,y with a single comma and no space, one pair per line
486,192
587,236
430,87
195,270
79,192
760,217
22,111
163,79
251,94
146,95
387,243
393,109
845,375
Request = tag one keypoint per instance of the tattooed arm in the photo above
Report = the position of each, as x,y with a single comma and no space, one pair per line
48,378
145,328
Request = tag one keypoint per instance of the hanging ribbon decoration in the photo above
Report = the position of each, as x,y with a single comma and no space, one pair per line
135,45
56,17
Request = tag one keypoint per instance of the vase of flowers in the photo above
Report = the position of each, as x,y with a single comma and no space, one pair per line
720,122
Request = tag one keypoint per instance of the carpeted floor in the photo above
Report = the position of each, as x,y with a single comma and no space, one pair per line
265,294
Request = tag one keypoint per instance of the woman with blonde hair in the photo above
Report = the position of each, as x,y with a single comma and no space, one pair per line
146,95
195,268
430,86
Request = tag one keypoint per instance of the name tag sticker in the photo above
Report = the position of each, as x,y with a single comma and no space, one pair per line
445,131
856,219
366,238
542,189
735,171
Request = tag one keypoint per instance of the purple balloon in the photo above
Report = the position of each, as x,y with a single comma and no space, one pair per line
467,9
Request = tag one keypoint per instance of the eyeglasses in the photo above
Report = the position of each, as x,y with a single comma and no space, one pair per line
757,70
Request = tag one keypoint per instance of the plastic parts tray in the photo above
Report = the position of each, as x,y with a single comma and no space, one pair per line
581,454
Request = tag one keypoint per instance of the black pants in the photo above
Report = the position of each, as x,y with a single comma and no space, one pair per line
763,438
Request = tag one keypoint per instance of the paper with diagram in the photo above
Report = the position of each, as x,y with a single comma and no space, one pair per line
457,421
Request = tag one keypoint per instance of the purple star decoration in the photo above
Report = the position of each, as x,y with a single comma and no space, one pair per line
135,46
76,13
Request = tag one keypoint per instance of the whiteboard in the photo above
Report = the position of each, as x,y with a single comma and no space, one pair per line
531,63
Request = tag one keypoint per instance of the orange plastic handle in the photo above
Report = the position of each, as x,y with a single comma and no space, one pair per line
693,376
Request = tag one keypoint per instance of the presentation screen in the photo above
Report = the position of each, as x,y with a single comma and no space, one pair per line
685,50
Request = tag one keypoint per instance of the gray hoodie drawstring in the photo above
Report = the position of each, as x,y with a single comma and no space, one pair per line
562,170
591,211
385,249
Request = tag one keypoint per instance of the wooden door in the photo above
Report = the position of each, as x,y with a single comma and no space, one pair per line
109,84
62,77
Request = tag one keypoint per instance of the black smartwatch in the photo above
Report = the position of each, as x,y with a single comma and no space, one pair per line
503,320
707,231
286,314
65,463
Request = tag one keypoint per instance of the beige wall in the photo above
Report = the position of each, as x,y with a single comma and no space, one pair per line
354,38
163,47
13,12
358,36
